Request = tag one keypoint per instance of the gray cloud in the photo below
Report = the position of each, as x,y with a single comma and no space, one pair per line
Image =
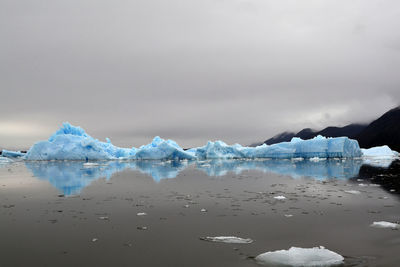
238,70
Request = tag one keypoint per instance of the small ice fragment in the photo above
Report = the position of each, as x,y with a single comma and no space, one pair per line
354,192
392,190
141,227
363,185
141,214
94,240
383,224
360,180
186,206
90,164
310,257
280,197
288,215
103,218
376,185
227,239
203,210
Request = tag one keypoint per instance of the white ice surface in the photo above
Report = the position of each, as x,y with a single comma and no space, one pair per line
383,224
310,257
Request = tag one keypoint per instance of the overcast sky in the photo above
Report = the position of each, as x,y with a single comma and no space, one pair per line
236,70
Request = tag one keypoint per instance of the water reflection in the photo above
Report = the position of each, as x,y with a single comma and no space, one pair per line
340,169
71,177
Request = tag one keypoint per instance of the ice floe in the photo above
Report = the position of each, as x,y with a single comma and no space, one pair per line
227,239
310,257
384,224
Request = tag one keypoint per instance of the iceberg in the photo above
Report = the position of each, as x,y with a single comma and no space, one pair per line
12,154
162,149
310,257
73,143
320,147
380,156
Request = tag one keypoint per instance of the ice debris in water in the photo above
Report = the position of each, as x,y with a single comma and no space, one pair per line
227,239
280,197
141,214
73,143
383,224
310,257
354,192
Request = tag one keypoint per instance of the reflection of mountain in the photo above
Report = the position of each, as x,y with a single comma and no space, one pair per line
316,169
388,178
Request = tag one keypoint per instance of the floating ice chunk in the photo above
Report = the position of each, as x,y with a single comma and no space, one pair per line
141,214
380,152
310,257
4,160
316,159
90,164
280,197
12,154
380,156
227,239
383,224
354,192
288,215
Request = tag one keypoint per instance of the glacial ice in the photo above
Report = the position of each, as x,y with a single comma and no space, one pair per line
12,154
73,143
380,156
310,257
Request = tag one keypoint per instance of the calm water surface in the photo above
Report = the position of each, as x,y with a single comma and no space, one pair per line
79,214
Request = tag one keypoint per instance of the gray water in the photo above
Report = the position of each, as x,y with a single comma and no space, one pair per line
76,214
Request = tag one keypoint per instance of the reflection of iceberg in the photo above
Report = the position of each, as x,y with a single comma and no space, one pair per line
160,169
71,177
318,170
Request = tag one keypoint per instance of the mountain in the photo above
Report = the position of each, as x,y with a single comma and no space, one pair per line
351,131
383,131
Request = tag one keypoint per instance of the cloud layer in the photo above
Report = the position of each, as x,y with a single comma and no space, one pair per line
238,70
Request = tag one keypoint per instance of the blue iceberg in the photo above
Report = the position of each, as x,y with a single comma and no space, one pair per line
73,143
320,147
12,154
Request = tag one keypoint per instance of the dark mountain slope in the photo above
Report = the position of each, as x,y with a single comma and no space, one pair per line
351,131
383,131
